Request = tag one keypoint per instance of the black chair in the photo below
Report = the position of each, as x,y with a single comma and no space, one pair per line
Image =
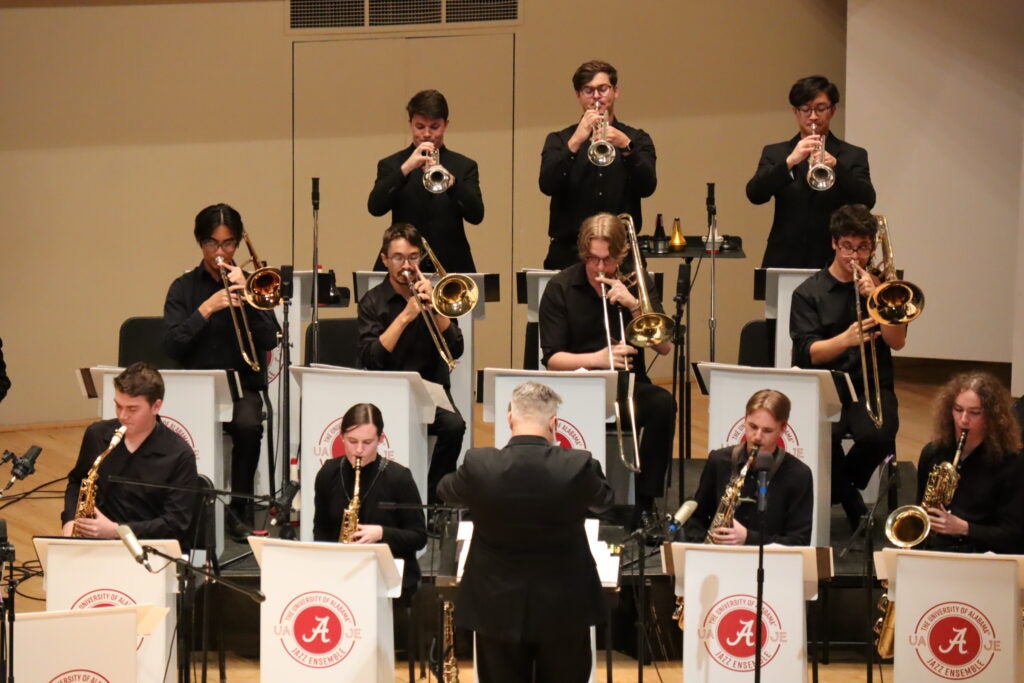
339,342
757,344
141,339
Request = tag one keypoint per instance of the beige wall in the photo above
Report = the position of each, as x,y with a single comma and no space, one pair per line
121,120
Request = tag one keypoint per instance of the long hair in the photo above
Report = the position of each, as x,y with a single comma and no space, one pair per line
997,407
362,414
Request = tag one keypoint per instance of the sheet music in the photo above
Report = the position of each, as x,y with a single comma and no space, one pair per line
438,396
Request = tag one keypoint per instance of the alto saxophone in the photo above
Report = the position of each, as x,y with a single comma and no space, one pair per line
86,507
350,520
450,666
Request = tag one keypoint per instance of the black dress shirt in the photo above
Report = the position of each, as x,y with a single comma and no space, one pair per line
414,351
989,497
5,382
790,499
211,344
822,308
572,318
438,217
405,531
579,189
163,458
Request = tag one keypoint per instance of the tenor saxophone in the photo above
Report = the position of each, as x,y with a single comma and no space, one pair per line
86,507
350,520
450,667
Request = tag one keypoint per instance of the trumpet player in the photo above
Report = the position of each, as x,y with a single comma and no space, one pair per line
573,336
439,216
149,452
200,333
826,335
578,188
791,503
986,513
382,481
393,335
799,236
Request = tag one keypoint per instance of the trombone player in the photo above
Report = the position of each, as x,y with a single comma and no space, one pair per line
200,333
573,336
394,334
827,335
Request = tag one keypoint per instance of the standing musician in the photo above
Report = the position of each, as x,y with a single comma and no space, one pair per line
149,452
823,325
381,480
791,500
439,216
987,510
393,335
530,590
799,235
199,333
573,336
578,188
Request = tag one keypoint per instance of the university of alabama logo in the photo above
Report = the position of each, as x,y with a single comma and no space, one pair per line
317,629
955,640
79,676
568,436
331,445
788,440
729,630
179,428
106,597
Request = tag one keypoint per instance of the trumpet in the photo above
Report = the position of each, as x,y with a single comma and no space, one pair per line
601,152
262,291
436,178
819,176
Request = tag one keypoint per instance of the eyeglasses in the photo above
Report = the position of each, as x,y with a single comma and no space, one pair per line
603,89
399,259
213,245
820,110
595,260
863,249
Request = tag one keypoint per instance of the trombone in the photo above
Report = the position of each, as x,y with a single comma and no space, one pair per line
893,302
262,290
414,275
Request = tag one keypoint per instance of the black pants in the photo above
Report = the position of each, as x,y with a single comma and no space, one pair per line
656,418
871,446
562,660
449,428
246,431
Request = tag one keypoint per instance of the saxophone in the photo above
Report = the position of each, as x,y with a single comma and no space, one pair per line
723,517
350,520
907,526
86,507
450,666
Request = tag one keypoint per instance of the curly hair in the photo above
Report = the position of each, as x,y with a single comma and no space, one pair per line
1004,434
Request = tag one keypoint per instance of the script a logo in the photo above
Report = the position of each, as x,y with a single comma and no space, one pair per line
317,630
955,640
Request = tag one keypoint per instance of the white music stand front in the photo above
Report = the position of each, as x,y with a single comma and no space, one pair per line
778,298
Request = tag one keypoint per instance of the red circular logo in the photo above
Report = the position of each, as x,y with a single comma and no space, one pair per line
179,428
955,641
729,632
568,435
331,444
106,597
317,630
787,440
79,676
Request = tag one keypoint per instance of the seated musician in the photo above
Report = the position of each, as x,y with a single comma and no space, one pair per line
573,335
787,520
823,325
986,513
149,452
530,590
393,335
380,480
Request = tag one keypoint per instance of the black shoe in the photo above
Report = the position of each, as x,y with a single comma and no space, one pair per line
236,529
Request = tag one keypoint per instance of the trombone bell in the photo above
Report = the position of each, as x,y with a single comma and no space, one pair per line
263,289
895,302
454,295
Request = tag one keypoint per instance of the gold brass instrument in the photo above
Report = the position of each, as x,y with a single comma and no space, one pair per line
262,290
86,507
726,511
601,152
885,627
436,178
350,518
893,302
819,176
450,664
240,321
650,328
454,294
631,466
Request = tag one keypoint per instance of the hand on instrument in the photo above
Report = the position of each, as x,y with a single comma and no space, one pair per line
368,533
420,157
622,356
616,137
585,129
734,535
866,282
803,149
618,293
945,522
99,526
852,336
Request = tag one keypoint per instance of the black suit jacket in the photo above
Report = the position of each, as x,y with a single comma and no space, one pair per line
529,575
438,217
799,237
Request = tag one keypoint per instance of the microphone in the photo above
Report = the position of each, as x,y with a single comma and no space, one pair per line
762,464
284,506
684,513
316,194
134,547
24,465
710,201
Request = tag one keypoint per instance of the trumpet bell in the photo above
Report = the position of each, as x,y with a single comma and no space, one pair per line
263,289
455,295
649,329
895,302
907,526
820,177
601,153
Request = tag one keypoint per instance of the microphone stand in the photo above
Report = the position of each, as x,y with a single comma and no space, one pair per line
287,276
712,243
680,377
761,513
7,614
314,320
640,538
